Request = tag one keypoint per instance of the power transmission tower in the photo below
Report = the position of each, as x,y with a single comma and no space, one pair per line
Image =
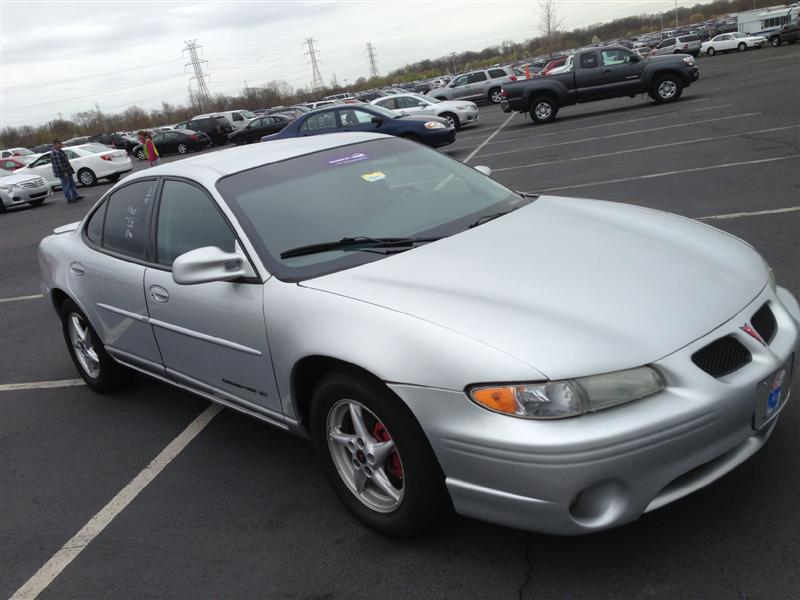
202,95
316,82
373,62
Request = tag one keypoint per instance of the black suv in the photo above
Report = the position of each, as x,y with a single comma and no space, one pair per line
216,127
115,140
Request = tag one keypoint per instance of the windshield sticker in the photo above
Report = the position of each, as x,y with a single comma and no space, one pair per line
346,160
375,176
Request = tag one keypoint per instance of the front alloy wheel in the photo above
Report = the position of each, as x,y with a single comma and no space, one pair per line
83,345
375,454
495,96
183,148
365,456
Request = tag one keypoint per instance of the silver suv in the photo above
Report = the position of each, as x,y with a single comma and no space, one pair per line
684,44
484,84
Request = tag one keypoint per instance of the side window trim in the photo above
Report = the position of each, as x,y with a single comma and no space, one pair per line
153,238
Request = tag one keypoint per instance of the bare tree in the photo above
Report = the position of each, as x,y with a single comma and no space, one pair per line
550,21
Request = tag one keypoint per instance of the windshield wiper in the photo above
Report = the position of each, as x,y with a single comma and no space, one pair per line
357,243
486,218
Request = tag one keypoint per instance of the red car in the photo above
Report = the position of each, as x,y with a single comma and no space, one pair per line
15,162
556,62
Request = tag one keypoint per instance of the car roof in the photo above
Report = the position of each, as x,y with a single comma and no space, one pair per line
242,158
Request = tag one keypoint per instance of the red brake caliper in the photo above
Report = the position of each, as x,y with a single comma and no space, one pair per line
393,464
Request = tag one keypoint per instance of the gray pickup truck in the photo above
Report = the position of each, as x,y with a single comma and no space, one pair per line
599,74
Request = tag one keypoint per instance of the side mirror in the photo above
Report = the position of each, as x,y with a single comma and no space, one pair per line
485,170
204,265
377,121
422,104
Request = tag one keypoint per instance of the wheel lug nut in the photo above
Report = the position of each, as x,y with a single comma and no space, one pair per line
360,442
367,471
371,459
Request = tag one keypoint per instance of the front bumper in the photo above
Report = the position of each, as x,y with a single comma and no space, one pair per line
600,470
440,137
20,195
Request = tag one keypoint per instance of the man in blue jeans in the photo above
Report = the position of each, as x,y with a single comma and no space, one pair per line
64,171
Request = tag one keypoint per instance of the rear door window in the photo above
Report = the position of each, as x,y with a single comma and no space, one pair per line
495,73
320,122
126,227
588,60
477,77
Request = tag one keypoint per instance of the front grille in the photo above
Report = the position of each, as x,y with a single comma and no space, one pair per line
764,323
722,356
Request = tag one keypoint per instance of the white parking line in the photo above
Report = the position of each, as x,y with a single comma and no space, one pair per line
487,140
644,148
74,546
41,385
667,173
757,213
623,134
18,298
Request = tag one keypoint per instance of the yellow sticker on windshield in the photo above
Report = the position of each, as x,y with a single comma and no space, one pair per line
374,176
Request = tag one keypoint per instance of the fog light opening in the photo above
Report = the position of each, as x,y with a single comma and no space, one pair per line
600,504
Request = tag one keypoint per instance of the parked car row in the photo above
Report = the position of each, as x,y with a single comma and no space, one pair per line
89,161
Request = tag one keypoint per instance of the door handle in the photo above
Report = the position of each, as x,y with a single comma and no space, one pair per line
159,294
77,269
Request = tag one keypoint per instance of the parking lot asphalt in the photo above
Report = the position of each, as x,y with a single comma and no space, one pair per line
244,512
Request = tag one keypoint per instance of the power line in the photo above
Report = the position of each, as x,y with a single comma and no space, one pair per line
202,95
71,79
316,82
373,62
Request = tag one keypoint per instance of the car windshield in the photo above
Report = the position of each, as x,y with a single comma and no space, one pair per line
391,114
738,35
425,99
27,159
247,114
386,188
22,152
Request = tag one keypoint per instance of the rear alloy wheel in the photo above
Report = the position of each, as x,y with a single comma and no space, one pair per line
742,47
711,52
452,119
182,148
543,110
775,41
666,89
495,95
140,154
375,455
97,368
87,177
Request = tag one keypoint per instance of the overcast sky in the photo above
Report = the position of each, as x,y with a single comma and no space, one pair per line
65,56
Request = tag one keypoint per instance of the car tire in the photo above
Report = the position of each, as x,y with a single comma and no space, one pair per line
100,372
495,96
140,154
238,140
400,492
182,148
711,52
452,119
38,202
775,41
543,109
2,208
742,47
666,89
86,177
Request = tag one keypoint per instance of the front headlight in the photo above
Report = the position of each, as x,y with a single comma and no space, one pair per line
689,60
568,398
434,125
462,107
6,188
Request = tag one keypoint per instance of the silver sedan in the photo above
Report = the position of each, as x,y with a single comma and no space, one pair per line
553,364
457,112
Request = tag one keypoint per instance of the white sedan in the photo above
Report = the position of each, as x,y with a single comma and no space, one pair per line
457,112
90,162
732,41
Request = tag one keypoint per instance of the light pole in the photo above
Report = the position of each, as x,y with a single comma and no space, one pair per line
676,14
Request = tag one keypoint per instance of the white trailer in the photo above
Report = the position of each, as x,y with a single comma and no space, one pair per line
766,21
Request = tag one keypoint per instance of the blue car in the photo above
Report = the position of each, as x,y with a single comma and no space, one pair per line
431,131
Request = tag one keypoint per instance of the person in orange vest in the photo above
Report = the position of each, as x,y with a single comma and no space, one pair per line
150,151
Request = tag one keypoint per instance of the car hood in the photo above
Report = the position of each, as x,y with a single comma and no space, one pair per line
421,119
572,287
454,103
18,177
